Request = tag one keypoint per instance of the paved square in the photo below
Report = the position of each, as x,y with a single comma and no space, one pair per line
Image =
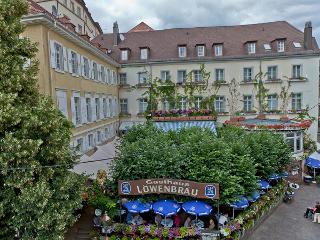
287,222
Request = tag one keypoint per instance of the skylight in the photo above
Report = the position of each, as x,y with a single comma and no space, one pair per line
267,46
297,44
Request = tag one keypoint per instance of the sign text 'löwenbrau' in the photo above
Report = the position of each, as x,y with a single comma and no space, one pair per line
169,186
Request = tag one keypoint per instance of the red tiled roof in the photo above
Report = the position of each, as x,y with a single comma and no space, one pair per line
163,43
141,27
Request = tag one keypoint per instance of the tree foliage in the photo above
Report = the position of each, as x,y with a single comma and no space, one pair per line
231,159
36,202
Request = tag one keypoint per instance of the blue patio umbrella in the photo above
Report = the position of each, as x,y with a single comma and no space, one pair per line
313,161
138,207
274,176
263,185
166,207
254,196
242,203
197,208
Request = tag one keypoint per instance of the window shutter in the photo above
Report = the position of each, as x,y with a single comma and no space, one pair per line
73,110
105,75
65,59
79,66
101,108
69,60
82,67
93,109
99,70
52,54
83,110
90,69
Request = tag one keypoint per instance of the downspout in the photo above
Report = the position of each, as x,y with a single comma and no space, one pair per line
51,92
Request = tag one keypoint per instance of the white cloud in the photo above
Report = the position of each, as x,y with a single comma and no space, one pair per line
160,14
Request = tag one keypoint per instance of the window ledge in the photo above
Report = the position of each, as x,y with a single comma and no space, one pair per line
141,114
295,111
143,85
221,82
223,113
247,82
126,85
248,113
125,114
273,81
301,79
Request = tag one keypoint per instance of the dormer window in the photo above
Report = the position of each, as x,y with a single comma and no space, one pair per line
124,54
251,47
218,50
200,50
144,52
182,51
280,46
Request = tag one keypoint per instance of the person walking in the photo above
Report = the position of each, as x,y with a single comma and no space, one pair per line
317,213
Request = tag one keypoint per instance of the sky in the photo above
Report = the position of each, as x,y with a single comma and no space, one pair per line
163,14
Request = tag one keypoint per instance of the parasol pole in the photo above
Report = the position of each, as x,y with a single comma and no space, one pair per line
233,213
314,174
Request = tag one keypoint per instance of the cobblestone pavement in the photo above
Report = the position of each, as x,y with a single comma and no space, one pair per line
287,222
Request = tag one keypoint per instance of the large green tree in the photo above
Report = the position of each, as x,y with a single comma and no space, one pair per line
38,195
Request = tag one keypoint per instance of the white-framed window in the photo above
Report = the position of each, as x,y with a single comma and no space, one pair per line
107,133
80,144
123,78
182,51
65,2
59,61
89,109
198,101
110,107
54,10
248,74
165,76
183,103
247,103
143,105
86,67
97,106
105,107
109,76
144,53
99,137
165,105
295,141
77,108
297,44
74,62
297,71
218,48
251,47
142,77
79,11
114,77
72,6
91,142
182,76
296,101
102,74
219,74
123,105
272,102
124,55
197,76
200,50
95,71
280,46
61,97
79,29
272,73
219,104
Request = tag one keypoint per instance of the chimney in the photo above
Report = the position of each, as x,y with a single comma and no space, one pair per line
115,34
308,36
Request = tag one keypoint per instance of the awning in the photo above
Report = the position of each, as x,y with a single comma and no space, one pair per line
313,160
177,125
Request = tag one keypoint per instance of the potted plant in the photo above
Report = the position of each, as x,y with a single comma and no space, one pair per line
318,180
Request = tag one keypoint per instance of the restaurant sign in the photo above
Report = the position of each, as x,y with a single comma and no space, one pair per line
169,186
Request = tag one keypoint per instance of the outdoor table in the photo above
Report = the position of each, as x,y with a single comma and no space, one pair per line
308,179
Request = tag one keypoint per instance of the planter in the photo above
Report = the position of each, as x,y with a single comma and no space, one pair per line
261,117
284,118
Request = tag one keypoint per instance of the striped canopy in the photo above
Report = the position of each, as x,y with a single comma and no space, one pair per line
177,125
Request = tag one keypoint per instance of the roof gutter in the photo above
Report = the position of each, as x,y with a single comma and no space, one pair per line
59,28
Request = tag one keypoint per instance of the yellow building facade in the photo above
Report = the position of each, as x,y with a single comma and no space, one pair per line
79,77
